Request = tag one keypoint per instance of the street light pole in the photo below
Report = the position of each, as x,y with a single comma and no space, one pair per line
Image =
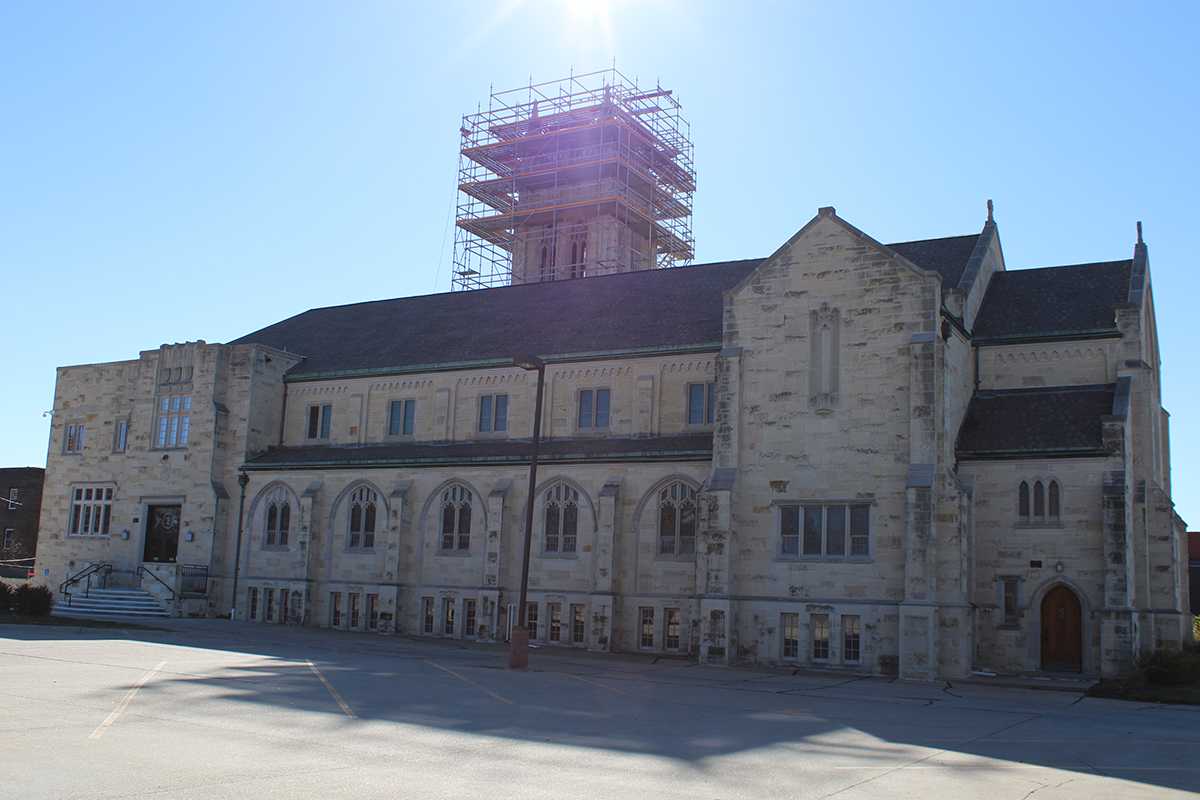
243,479
518,652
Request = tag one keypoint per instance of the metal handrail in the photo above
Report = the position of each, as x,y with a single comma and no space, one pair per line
87,572
141,570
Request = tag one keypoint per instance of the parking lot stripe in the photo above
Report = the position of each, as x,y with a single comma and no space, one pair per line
597,684
470,682
332,691
116,713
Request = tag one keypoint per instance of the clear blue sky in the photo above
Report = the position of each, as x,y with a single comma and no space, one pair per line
175,171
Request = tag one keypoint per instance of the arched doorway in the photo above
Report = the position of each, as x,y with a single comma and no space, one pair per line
1062,631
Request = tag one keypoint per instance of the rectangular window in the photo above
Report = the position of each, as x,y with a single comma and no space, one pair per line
121,436
593,409
355,610
469,619
671,617
790,624
320,421
820,636
554,612
701,403
427,614
91,511
73,439
789,530
851,638
401,415
1012,611
372,612
14,498
253,603
174,421
448,616
646,639
335,609
577,624
821,531
270,598
493,413
531,619
10,536
283,605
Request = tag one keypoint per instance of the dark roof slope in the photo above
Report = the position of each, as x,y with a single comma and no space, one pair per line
1053,301
947,256
685,447
667,308
1063,420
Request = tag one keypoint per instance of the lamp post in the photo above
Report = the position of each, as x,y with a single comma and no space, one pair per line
243,479
518,649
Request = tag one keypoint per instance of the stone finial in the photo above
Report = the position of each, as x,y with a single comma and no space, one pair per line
826,211
990,209
1139,230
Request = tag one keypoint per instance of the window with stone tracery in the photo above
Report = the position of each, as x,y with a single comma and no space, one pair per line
562,519
364,511
456,518
677,520
1039,503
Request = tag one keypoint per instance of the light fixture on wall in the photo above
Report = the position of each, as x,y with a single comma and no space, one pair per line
125,534
189,536
1059,567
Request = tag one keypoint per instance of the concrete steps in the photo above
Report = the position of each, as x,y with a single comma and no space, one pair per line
111,604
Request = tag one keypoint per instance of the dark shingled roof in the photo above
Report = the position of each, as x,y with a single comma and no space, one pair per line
662,308
685,447
1028,422
655,309
1053,301
947,256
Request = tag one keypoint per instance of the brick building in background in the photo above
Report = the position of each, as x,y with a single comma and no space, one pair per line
20,509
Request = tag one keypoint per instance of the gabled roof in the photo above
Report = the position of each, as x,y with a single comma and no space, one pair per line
947,256
1053,301
1020,423
684,447
661,309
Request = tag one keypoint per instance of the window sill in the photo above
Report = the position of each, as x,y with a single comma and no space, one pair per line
276,548
567,556
1033,526
168,449
87,535
667,558
454,553
359,551
789,559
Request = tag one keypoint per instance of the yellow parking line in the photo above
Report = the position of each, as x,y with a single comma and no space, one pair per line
332,691
470,682
125,701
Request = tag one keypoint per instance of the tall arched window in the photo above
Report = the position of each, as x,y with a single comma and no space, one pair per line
562,519
364,503
677,520
456,518
275,516
1055,502
1023,502
1039,500
546,261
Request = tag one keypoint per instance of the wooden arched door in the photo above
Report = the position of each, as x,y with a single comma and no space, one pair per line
1062,630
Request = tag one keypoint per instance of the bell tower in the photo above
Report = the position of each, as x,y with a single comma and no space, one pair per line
588,175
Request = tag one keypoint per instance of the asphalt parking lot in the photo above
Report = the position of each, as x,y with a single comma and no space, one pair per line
212,709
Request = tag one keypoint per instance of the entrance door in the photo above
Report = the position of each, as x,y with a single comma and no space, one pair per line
162,534
1062,631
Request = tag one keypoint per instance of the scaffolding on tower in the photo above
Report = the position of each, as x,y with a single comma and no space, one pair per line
547,162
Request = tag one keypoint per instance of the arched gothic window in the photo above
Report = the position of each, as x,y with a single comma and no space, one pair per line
562,519
456,518
677,520
579,255
1055,502
546,262
1023,502
364,504
276,519
1039,500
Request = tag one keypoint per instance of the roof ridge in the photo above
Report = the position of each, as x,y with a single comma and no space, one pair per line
1086,387
934,239
1012,271
610,275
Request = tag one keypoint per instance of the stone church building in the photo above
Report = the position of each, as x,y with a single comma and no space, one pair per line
890,459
